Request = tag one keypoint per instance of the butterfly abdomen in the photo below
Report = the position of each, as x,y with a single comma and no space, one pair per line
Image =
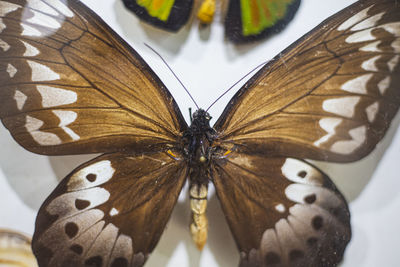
198,206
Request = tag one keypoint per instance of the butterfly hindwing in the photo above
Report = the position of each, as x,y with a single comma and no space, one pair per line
110,211
330,96
250,20
170,15
281,211
70,85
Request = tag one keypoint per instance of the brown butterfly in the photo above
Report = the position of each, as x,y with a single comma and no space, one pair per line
70,85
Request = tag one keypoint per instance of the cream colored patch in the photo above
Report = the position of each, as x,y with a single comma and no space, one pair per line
292,168
4,45
393,63
20,98
11,70
370,64
2,25
30,50
368,23
371,47
198,192
384,85
329,125
122,248
42,72
357,85
30,31
363,14
372,110
280,208
6,7
102,170
393,28
61,7
66,118
358,135
43,20
362,36
53,97
33,125
113,212
344,106
41,6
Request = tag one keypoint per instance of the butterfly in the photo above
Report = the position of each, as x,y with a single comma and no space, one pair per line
70,85
245,21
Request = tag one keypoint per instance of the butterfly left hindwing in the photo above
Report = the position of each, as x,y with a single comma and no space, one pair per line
110,211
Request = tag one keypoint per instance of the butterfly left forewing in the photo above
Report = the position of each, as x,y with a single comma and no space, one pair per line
281,211
110,211
330,96
70,85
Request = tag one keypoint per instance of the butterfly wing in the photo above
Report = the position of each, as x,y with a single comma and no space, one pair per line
250,20
70,85
170,15
281,211
330,96
110,211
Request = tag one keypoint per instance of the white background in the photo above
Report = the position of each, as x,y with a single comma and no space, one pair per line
208,65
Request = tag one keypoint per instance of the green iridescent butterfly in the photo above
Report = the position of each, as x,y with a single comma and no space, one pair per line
246,20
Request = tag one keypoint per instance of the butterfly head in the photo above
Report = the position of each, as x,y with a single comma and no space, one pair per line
201,119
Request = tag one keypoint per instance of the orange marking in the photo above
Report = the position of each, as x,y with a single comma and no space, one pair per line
170,153
227,152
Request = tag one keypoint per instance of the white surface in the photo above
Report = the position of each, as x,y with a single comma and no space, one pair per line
208,65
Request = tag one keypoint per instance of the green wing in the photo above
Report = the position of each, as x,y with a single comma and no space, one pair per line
169,15
249,20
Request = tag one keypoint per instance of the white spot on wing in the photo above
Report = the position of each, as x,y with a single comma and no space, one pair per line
393,63
44,20
280,208
30,50
372,110
357,85
2,25
53,97
329,125
293,167
29,30
42,138
66,118
61,7
39,5
4,45
346,147
41,72
344,106
363,14
20,98
113,212
371,47
393,28
102,170
6,7
11,70
368,23
384,85
362,36
370,64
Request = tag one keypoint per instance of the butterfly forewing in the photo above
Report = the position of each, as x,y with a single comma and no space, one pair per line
282,211
110,211
329,96
70,85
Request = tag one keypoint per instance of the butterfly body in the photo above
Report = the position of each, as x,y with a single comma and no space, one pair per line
71,85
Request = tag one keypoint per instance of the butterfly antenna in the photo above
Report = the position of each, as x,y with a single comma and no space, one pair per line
241,79
165,62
